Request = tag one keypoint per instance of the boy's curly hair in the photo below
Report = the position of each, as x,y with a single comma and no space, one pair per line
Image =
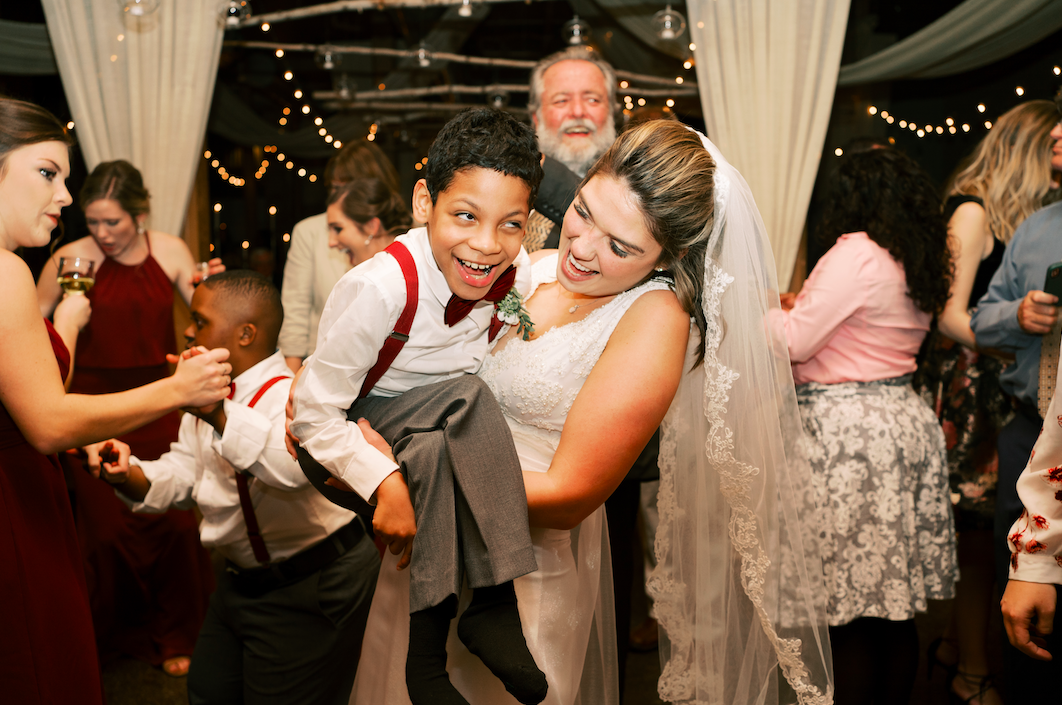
485,138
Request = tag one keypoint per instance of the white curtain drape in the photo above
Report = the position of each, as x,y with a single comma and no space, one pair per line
974,34
140,89
767,70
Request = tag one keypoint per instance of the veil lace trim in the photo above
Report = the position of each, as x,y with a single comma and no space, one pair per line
693,671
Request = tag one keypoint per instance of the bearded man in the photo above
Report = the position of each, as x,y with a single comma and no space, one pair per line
572,103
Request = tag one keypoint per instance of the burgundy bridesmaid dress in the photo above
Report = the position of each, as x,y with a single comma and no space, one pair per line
47,649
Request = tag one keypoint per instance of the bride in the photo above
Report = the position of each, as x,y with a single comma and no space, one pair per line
656,308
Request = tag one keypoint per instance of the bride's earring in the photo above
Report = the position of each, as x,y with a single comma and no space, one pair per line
660,269
368,240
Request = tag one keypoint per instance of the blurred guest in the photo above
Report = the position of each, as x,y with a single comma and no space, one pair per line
877,452
573,105
47,649
1016,316
1005,180
149,578
364,217
313,267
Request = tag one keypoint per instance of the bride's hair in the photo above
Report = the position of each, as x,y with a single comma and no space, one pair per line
671,175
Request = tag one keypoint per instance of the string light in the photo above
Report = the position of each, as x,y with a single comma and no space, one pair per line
949,127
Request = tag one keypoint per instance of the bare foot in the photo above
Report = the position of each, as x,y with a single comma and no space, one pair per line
176,666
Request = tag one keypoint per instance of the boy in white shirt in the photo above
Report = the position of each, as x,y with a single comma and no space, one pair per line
447,431
289,612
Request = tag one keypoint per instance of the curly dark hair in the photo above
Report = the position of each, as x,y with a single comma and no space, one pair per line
886,194
485,138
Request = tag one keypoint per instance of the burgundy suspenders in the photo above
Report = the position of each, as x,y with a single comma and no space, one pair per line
394,343
391,347
261,554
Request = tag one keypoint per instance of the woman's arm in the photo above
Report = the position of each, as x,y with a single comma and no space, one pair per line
71,315
967,239
176,260
619,407
32,391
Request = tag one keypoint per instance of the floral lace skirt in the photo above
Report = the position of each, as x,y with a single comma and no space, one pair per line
881,482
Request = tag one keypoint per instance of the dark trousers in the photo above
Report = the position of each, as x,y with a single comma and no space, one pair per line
452,443
1026,679
296,644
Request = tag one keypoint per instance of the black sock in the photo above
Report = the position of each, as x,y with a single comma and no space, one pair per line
491,630
427,681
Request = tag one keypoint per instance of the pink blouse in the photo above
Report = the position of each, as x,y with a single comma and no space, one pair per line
853,320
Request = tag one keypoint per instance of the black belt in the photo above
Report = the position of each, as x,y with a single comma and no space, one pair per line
254,582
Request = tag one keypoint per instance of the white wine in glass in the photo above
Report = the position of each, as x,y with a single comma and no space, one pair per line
76,275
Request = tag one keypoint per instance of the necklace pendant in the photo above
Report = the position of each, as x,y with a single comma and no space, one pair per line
573,309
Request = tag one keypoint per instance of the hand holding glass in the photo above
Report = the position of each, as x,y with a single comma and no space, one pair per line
76,274
202,271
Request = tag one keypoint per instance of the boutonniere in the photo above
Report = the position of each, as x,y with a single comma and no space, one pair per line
511,310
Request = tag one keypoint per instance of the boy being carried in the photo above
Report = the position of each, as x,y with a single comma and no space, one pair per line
269,629
448,434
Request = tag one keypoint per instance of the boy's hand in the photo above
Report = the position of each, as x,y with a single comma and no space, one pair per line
393,521
108,460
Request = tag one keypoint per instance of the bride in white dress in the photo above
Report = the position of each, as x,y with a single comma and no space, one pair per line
636,313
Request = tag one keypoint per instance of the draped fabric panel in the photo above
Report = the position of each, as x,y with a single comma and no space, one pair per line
974,34
140,89
767,70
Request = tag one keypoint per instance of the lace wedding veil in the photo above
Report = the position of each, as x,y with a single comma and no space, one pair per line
738,587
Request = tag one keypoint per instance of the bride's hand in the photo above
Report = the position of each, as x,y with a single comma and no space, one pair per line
393,520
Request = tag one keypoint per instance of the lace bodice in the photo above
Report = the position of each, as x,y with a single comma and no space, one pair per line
536,381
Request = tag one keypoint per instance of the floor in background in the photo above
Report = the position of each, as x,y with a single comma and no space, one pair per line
129,682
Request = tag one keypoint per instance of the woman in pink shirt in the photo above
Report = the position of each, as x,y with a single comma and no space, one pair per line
876,449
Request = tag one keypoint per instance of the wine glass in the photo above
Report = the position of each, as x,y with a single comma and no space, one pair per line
76,275
202,271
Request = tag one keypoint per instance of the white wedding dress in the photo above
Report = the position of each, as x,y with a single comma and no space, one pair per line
566,606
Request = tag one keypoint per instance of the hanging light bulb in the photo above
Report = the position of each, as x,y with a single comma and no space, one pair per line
576,31
328,58
138,8
424,55
466,8
669,24
498,99
233,12
344,87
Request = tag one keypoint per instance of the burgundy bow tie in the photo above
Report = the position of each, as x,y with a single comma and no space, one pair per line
458,308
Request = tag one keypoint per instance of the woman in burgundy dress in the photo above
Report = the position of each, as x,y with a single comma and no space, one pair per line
47,649
149,578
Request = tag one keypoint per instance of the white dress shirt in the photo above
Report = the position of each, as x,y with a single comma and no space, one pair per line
310,272
360,314
200,468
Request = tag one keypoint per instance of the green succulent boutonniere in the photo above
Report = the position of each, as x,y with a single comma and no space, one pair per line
511,310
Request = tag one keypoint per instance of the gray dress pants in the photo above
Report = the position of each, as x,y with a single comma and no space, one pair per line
456,452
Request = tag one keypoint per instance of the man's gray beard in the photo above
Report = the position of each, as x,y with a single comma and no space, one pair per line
578,160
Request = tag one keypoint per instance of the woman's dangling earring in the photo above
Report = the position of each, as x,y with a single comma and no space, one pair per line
368,240
661,269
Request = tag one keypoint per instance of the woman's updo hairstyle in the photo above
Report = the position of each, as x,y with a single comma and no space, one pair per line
361,200
671,176
118,181
359,160
23,124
